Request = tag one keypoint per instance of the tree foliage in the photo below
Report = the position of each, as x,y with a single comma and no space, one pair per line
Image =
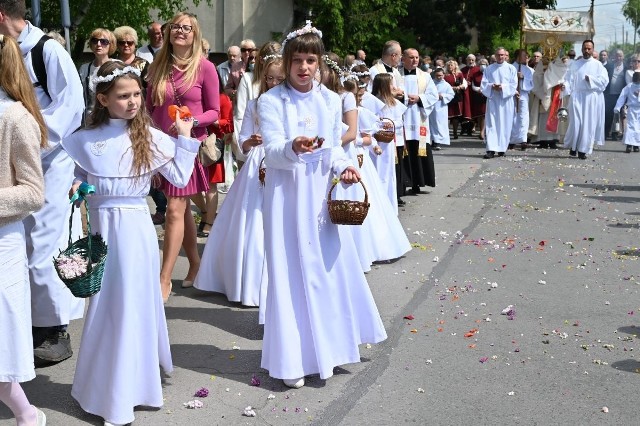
86,15
349,25
445,27
631,11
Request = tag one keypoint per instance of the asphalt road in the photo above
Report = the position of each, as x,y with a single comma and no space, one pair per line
552,237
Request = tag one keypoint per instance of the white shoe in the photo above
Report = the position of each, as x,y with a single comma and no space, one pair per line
294,383
106,423
41,419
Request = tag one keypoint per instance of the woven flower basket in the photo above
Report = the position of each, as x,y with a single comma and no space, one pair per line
388,131
347,212
92,248
262,171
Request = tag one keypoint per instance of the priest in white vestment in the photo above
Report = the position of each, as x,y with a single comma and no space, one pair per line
420,98
499,84
391,56
586,81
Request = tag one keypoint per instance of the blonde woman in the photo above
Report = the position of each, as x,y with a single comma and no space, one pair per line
181,75
127,41
103,44
21,192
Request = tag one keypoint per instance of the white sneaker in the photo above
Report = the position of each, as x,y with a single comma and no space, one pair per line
106,423
41,418
294,383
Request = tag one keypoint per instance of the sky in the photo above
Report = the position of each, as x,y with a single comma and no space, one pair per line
608,19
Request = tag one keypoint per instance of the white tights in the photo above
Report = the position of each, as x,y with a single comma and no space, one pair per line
13,396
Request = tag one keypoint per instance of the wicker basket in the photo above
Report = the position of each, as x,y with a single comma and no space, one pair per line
91,247
347,212
262,172
387,133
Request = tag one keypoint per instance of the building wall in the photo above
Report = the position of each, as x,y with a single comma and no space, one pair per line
227,22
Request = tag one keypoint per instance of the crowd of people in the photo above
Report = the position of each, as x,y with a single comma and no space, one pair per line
303,125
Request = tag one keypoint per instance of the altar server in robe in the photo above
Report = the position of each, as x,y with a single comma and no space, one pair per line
319,305
499,83
420,96
439,117
525,85
586,81
47,230
630,96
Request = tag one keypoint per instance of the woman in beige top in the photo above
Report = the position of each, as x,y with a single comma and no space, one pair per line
22,134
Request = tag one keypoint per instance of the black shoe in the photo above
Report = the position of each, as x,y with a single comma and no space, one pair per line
55,348
501,154
401,202
582,156
489,154
636,149
435,146
572,153
552,144
628,149
544,144
523,146
511,146
158,218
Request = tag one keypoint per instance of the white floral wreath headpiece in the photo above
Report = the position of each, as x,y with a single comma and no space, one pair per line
297,33
351,76
115,73
359,74
332,64
271,57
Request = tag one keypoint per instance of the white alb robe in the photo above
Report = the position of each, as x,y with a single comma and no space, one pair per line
521,116
586,108
630,96
233,260
125,339
47,230
500,104
319,306
379,68
439,118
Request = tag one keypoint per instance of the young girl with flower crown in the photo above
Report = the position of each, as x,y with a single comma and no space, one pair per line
319,307
389,163
125,339
233,261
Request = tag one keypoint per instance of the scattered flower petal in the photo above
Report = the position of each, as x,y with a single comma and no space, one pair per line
249,412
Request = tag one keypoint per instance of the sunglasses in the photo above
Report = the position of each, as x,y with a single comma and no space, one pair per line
101,41
177,27
247,49
126,43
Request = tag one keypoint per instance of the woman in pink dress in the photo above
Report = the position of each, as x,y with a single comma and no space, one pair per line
181,75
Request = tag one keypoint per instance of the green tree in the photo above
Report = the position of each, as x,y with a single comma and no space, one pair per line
631,11
445,27
86,15
349,25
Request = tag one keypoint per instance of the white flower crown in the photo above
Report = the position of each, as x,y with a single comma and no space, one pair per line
351,76
332,64
359,74
270,57
297,33
115,73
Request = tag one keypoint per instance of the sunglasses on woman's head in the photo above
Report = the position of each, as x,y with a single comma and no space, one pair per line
126,43
102,41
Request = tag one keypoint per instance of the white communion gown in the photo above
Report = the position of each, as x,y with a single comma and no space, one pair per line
233,261
319,305
125,339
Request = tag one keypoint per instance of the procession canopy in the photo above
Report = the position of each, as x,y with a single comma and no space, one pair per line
551,28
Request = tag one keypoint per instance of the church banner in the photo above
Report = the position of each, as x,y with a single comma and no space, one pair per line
566,26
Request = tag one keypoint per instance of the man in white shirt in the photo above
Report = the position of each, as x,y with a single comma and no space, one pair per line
586,81
224,69
149,51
